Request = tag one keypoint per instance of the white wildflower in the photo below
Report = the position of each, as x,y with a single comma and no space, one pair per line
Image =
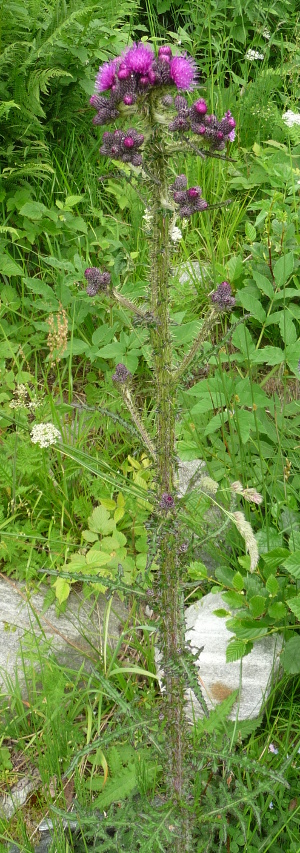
44,435
246,532
253,54
175,234
250,495
266,34
21,399
208,485
290,118
148,218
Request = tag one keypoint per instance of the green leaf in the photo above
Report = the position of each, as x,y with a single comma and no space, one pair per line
113,350
283,269
9,267
277,610
274,558
257,605
294,605
268,355
221,613
292,564
225,575
235,650
233,599
242,340
100,521
238,581
75,347
287,328
197,570
34,210
62,589
272,585
250,232
235,267
292,355
253,305
264,284
290,657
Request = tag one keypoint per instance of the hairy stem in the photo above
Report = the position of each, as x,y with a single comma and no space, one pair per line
169,591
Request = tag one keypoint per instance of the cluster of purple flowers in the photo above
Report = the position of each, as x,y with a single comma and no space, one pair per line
222,297
96,280
135,72
189,200
122,374
196,119
121,145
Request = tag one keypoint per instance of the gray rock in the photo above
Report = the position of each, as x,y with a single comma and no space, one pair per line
74,636
252,676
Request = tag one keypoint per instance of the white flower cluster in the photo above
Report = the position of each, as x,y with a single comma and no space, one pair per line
22,400
266,34
246,532
44,435
253,54
148,219
290,118
175,234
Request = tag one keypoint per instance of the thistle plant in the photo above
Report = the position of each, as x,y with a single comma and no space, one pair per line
145,89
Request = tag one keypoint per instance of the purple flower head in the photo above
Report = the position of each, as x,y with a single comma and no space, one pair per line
200,107
106,75
97,280
165,51
183,72
179,183
128,100
189,200
231,136
167,501
122,374
194,192
138,59
222,297
128,142
123,146
123,72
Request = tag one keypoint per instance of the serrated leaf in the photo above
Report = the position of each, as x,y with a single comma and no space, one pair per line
283,269
287,329
100,521
62,589
233,599
257,605
272,585
253,305
294,605
197,570
274,558
268,355
277,610
250,232
225,575
242,340
238,581
290,657
9,267
235,650
264,284
292,564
